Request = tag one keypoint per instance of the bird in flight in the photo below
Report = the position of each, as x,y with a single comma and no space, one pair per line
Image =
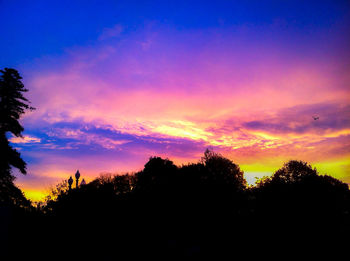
315,117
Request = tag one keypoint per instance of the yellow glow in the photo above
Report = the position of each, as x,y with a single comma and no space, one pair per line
34,195
337,134
264,135
337,168
256,167
184,131
255,171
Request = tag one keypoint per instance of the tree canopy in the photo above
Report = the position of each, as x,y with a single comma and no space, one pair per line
12,102
12,105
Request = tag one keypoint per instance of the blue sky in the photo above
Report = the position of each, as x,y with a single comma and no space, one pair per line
33,29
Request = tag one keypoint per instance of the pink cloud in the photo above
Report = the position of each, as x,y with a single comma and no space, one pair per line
25,139
252,102
172,95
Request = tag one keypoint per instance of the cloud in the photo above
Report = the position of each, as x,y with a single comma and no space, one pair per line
24,139
298,120
112,32
154,92
75,135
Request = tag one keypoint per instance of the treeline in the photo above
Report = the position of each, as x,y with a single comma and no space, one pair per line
203,209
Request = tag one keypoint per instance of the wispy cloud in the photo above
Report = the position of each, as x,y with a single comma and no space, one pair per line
299,119
25,139
111,32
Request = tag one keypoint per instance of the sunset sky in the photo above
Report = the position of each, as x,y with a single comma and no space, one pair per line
115,82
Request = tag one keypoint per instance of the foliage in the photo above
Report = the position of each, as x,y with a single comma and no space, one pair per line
12,105
156,174
223,171
201,209
60,189
11,195
299,200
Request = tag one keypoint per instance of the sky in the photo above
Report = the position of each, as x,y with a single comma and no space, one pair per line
116,82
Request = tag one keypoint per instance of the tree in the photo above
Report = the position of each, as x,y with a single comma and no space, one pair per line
157,174
298,196
222,171
12,105
60,189
293,172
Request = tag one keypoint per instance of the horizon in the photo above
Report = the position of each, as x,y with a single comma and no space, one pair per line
117,83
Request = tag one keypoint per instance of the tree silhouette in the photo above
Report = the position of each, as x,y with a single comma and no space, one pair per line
14,206
303,209
12,105
157,174
223,171
11,195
